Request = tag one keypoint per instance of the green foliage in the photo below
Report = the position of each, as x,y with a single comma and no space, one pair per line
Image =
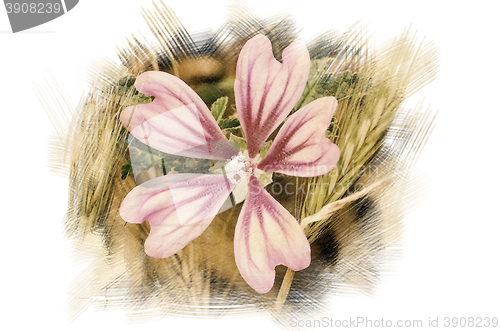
229,123
322,84
127,82
126,169
209,93
219,108
337,85
144,157
128,95
238,140
318,67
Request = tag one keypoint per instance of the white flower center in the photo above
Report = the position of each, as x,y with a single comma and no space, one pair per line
237,168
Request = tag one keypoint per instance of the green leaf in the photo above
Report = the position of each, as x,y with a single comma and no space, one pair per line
144,157
318,69
209,93
227,123
126,169
240,141
338,85
265,148
321,83
219,108
126,94
266,178
127,82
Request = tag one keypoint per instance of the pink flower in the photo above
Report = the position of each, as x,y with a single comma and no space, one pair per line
180,207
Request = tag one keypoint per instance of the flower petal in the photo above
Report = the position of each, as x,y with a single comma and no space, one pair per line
167,239
267,235
267,90
177,121
180,132
178,207
301,148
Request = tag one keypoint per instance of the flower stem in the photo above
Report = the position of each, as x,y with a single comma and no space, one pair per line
284,289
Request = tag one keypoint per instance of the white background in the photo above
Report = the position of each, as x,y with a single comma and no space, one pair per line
450,264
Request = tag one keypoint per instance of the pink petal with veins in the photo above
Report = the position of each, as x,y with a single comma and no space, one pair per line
265,89
301,148
179,131
178,207
177,121
166,239
267,235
